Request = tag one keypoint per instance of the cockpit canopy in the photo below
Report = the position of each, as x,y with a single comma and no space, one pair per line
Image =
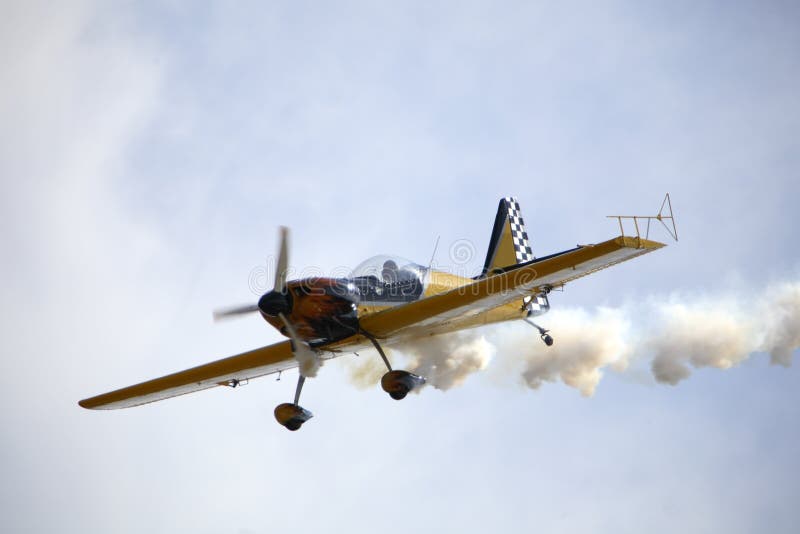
389,279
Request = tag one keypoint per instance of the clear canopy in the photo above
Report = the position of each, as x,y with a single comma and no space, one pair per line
389,279
388,268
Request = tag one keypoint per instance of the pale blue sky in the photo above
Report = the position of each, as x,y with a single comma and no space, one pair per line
149,151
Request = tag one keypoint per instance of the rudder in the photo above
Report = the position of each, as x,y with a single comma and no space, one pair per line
509,245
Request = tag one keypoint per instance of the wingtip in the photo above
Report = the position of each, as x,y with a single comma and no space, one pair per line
88,404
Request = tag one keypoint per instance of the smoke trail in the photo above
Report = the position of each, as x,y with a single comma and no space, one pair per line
723,332
585,344
446,361
701,334
781,312
671,335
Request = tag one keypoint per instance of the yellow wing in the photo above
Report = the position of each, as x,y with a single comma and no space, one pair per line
433,314
252,364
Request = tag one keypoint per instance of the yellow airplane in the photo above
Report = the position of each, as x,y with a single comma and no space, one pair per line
390,299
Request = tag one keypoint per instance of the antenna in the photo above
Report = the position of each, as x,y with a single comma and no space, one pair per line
430,263
660,217
435,246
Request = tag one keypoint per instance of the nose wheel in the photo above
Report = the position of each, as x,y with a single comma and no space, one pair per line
291,414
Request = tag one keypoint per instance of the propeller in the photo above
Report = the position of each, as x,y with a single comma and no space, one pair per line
275,303
272,302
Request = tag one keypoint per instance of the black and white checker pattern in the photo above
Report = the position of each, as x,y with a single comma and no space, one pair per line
536,305
522,247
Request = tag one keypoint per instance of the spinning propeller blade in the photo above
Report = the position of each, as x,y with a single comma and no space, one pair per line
234,311
283,262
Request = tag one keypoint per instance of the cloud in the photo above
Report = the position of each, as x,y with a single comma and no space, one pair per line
76,93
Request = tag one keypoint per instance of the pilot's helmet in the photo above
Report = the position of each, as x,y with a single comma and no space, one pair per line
389,272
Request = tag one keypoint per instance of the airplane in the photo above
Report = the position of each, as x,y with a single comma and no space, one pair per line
388,299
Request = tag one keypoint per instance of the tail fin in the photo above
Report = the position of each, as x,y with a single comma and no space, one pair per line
509,246
509,243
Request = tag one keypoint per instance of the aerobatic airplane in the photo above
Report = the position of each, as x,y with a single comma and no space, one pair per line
387,299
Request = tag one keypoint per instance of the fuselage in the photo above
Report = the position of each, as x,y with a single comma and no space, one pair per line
324,310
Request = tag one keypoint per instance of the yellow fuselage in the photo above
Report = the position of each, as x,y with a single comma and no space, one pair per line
441,282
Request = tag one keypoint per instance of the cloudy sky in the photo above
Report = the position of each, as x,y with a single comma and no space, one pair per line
149,151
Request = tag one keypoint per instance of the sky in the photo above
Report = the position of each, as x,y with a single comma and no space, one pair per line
150,150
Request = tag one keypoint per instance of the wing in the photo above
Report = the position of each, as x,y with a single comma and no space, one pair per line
252,364
431,315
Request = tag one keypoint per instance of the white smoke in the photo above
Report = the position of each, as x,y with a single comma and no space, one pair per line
723,332
699,334
586,343
780,312
671,335
446,360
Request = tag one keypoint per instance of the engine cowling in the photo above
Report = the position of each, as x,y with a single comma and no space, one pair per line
399,383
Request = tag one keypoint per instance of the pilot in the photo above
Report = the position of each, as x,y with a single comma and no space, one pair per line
389,272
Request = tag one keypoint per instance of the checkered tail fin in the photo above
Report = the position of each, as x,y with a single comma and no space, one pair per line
509,245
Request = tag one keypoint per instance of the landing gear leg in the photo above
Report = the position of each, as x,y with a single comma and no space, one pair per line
380,351
547,338
292,415
396,383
